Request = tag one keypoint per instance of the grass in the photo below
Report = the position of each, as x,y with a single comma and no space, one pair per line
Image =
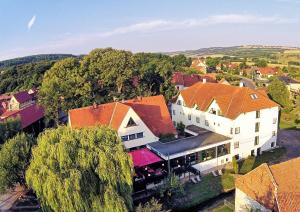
208,188
223,208
288,119
251,163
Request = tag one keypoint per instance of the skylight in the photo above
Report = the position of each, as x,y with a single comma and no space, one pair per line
253,96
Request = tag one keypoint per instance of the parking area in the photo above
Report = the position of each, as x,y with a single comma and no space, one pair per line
290,139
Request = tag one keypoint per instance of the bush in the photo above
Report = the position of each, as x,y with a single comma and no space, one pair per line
235,165
180,127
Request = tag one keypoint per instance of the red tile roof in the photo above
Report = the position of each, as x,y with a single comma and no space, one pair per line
275,186
267,71
152,110
22,96
188,80
28,115
143,157
232,100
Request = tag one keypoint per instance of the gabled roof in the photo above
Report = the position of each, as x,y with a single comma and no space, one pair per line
232,100
188,80
22,96
267,71
277,187
152,110
28,115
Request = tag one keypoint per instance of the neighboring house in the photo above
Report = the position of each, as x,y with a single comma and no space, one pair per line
270,188
183,81
138,121
21,105
292,84
199,64
265,73
20,100
241,122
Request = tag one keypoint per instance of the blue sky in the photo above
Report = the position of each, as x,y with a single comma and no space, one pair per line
77,26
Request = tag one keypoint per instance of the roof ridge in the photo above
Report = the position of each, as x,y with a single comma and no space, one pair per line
275,185
112,115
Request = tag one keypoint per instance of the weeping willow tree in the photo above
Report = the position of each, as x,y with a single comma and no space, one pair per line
81,170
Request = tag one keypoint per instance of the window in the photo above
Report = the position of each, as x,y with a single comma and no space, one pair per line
253,96
257,114
208,154
273,133
272,144
219,113
140,135
132,136
237,130
252,153
198,119
213,111
174,122
274,120
189,116
206,123
131,123
124,138
236,144
256,140
174,112
237,157
231,130
223,149
257,127
179,102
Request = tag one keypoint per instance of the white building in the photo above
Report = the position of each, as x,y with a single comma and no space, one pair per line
138,121
269,188
246,117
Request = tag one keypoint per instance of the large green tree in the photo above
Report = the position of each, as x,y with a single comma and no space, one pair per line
279,93
64,87
9,128
109,68
14,159
81,170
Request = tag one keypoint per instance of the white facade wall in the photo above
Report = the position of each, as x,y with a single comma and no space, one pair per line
222,125
245,203
294,87
140,127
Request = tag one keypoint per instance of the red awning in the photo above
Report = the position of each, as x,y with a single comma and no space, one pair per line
143,157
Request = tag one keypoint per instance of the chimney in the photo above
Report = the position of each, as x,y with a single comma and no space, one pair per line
204,80
241,84
139,98
95,105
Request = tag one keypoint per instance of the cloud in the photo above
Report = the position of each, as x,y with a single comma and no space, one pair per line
189,23
69,42
31,22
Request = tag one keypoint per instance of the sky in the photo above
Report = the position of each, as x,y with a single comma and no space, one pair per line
78,26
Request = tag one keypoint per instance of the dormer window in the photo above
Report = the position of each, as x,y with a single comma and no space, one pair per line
179,102
131,123
253,96
213,111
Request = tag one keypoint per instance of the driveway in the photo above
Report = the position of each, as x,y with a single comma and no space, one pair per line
290,139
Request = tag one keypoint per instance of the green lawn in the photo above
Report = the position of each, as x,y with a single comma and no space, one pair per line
208,188
223,208
250,163
288,119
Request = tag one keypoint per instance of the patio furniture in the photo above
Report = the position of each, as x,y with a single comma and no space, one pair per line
193,180
220,172
214,174
198,178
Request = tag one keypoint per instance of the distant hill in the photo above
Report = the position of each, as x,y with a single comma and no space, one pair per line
237,51
33,59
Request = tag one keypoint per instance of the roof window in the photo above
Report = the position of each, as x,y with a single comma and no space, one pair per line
253,96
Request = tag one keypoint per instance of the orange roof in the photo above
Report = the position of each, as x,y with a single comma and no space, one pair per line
267,70
276,186
232,100
152,110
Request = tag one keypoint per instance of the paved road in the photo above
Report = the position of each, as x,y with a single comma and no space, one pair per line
290,139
